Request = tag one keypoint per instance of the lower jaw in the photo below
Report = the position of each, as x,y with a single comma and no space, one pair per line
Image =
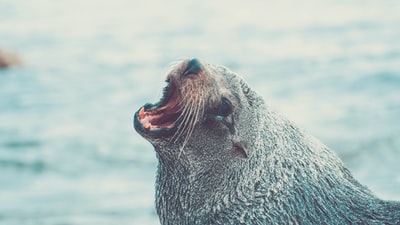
155,133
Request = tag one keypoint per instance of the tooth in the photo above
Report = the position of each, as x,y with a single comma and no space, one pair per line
142,113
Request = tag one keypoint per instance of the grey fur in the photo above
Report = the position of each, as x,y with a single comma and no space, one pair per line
265,171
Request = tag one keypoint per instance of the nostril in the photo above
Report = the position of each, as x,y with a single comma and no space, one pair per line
193,67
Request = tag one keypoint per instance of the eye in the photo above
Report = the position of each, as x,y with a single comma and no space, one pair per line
220,113
224,109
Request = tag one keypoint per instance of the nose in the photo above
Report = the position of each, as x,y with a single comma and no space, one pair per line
193,67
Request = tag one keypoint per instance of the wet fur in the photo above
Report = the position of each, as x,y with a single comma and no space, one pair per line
277,175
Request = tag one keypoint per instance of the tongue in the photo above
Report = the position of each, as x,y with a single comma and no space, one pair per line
163,117
166,116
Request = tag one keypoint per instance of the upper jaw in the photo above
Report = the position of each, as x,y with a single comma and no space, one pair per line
160,119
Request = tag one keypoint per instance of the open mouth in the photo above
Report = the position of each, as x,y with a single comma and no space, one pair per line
159,120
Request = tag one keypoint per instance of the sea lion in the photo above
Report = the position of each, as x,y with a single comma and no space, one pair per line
226,158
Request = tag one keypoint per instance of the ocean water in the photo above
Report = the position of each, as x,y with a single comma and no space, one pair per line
68,152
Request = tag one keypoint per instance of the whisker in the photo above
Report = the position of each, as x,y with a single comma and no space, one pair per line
183,117
184,122
192,110
189,130
197,114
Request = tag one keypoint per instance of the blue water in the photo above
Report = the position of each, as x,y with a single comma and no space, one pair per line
68,152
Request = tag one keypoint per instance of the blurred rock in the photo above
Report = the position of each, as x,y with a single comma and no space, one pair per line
8,59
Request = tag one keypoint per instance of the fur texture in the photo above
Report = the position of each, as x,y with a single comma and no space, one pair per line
254,166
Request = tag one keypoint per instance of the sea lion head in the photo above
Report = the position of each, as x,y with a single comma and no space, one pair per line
206,113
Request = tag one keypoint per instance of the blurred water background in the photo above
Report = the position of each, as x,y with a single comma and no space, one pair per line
68,152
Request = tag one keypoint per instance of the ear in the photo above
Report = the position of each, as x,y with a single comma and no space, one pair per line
239,149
